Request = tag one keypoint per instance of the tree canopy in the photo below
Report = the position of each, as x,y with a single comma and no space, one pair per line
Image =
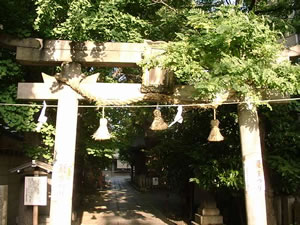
229,50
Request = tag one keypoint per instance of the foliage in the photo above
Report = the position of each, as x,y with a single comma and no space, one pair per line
44,151
281,13
246,60
283,143
218,165
21,119
182,153
16,17
17,118
103,151
9,70
86,20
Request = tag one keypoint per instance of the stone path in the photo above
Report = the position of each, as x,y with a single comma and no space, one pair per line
121,204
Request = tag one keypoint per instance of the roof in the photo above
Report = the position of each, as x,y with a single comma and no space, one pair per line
32,164
292,40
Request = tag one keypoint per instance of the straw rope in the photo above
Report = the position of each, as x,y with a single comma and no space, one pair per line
149,97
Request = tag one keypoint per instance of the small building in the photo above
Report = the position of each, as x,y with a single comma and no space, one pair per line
25,212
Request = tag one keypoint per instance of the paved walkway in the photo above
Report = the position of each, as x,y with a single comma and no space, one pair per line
121,204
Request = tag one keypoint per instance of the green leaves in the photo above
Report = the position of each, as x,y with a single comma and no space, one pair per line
283,143
18,118
101,153
17,17
227,49
21,118
288,174
48,135
82,20
9,70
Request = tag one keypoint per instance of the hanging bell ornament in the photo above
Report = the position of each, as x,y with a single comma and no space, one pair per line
215,134
102,132
158,122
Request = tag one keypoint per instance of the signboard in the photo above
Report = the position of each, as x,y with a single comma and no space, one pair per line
154,181
254,173
121,165
35,192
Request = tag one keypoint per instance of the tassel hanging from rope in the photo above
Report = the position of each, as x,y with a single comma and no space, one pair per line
215,134
158,122
102,132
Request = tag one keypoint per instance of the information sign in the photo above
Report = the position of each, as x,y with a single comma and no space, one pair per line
35,192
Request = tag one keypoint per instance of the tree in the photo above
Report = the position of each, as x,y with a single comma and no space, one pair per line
246,61
282,142
120,20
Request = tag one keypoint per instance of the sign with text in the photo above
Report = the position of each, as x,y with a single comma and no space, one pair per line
254,175
35,192
154,181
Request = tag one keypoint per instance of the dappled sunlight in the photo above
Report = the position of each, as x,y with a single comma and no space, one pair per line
120,204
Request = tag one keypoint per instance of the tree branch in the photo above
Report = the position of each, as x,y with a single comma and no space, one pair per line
164,3
253,2
274,9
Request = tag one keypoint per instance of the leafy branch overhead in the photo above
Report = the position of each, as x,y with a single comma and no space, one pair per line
229,50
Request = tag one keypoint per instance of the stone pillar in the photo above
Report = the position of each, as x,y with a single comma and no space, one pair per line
65,142
253,166
208,216
156,80
207,213
3,204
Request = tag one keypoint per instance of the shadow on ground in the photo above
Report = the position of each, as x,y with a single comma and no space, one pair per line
120,203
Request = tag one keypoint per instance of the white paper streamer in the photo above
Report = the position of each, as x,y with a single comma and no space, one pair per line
42,118
178,118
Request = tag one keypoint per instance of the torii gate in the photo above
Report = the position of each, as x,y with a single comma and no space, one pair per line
71,55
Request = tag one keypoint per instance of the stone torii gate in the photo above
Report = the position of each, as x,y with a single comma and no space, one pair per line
72,56
65,53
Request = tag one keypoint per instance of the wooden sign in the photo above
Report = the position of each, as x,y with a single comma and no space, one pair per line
35,192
